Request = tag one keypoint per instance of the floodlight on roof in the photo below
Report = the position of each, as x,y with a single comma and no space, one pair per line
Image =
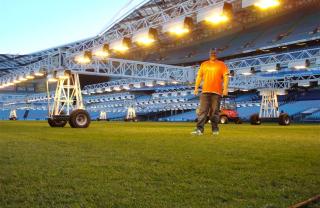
266,4
30,76
150,83
22,78
145,37
16,80
117,88
282,92
39,73
126,87
9,83
299,64
300,67
99,90
215,15
51,78
137,85
269,68
121,45
84,58
62,75
162,83
102,52
179,26
261,4
304,84
108,89
246,73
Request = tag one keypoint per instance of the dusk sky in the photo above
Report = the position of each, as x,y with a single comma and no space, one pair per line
31,25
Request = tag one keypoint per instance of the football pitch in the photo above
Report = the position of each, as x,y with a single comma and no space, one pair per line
117,164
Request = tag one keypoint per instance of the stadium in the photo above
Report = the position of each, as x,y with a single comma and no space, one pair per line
106,121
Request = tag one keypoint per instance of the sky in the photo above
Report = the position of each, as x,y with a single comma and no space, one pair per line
28,26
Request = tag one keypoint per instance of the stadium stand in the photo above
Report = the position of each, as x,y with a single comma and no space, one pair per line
301,26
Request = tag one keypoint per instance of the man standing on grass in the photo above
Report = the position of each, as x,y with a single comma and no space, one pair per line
215,77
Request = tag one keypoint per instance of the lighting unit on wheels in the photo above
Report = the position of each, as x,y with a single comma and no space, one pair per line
103,116
269,109
67,104
131,114
13,115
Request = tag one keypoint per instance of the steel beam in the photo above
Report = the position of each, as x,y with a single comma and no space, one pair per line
155,20
120,68
284,59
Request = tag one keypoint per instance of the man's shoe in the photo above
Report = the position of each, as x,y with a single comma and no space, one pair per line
215,132
197,132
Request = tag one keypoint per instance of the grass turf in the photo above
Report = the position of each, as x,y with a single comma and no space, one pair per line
157,165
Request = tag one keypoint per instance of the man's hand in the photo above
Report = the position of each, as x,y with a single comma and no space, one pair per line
225,92
196,91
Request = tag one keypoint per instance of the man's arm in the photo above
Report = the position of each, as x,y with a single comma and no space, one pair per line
198,80
225,82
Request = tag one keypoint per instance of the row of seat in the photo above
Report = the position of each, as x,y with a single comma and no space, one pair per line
301,25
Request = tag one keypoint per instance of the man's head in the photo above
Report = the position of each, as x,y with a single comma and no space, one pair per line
213,54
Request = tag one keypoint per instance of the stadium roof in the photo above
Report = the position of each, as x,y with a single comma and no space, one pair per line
139,10
123,22
9,62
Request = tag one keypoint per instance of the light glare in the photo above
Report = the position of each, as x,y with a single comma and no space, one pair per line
82,60
179,30
145,40
30,77
121,48
52,79
300,67
271,70
217,19
266,4
247,73
39,74
22,79
101,54
16,81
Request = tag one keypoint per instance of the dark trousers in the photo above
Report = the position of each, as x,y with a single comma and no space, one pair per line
209,106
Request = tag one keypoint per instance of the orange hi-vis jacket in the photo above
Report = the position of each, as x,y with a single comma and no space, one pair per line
212,73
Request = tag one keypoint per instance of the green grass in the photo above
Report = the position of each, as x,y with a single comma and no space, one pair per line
157,165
